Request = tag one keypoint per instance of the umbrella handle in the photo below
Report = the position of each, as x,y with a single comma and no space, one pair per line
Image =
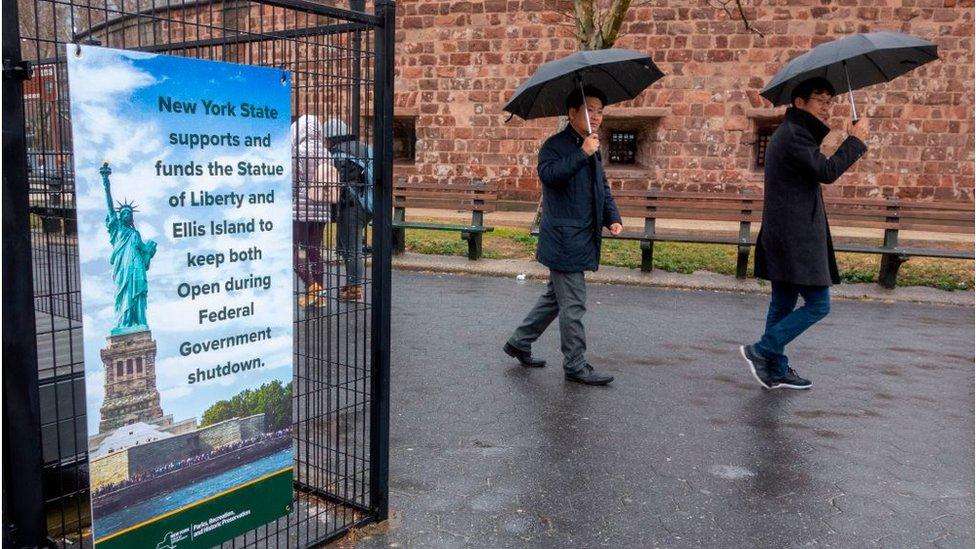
850,93
586,109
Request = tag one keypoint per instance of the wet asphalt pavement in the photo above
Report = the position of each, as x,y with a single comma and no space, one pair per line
683,449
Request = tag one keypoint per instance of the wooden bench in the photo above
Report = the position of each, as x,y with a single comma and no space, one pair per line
890,215
652,205
893,215
476,197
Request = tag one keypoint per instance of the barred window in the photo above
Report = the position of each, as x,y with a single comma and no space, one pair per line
623,147
405,139
763,133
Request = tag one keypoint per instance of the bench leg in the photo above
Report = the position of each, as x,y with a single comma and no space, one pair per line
474,245
888,274
399,241
647,255
742,262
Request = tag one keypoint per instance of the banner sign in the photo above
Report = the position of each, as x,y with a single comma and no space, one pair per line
183,185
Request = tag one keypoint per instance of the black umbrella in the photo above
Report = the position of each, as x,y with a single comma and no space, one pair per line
619,74
852,63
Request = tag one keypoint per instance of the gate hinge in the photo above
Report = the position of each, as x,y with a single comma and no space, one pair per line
21,70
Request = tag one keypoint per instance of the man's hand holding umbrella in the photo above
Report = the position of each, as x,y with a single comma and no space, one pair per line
858,128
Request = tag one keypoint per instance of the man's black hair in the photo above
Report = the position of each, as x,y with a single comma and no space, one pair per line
809,87
576,99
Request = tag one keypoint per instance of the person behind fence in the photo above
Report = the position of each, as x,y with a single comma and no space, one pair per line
576,205
353,160
794,250
315,190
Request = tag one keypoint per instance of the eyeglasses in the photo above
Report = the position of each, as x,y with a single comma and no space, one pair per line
823,100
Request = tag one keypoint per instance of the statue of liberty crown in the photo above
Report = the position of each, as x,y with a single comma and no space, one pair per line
131,206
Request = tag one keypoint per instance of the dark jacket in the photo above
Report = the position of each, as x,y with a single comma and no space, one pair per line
576,205
353,160
794,242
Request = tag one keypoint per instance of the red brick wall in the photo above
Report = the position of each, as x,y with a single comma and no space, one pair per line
458,62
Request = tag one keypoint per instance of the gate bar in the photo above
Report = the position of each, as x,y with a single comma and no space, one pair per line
249,38
303,6
379,404
24,521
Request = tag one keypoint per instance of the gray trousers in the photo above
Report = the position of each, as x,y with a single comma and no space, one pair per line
351,221
565,297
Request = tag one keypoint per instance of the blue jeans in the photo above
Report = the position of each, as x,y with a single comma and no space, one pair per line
784,322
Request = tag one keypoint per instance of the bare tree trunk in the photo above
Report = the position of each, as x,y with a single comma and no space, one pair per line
585,25
612,23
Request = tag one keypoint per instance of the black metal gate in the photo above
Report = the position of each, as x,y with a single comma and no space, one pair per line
341,59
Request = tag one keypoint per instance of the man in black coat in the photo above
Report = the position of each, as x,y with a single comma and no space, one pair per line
576,205
794,250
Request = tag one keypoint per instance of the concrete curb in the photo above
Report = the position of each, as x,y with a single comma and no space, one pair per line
660,279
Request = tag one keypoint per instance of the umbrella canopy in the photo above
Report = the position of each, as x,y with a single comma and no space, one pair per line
620,74
852,63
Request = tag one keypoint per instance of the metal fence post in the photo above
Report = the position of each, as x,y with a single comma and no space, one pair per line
25,524
379,440
357,70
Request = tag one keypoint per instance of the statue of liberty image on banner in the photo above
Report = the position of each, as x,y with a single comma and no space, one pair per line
130,261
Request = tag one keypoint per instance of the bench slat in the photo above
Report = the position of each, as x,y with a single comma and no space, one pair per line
445,188
877,202
919,252
689,238
441,227
949,206
936,227
445,195
455,206
938,216
692,216
691,204
703,196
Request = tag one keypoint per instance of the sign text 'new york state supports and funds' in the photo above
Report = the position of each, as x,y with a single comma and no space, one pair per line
192,140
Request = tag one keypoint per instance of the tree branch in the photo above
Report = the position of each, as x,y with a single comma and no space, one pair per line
561,7
598,23
740,13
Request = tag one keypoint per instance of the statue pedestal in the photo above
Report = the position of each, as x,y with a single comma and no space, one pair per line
130,381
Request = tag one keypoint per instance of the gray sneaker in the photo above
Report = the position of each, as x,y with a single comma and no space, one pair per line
758,365
588,376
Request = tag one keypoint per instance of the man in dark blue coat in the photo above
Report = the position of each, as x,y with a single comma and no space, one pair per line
576,205
794,250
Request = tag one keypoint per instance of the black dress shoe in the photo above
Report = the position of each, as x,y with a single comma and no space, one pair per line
588,376
524,357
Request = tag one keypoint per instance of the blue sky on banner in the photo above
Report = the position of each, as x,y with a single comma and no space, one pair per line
115,118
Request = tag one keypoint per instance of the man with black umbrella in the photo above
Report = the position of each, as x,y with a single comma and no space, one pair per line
576,205
794,249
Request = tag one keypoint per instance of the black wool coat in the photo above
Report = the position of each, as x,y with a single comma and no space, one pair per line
576,205
794,242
